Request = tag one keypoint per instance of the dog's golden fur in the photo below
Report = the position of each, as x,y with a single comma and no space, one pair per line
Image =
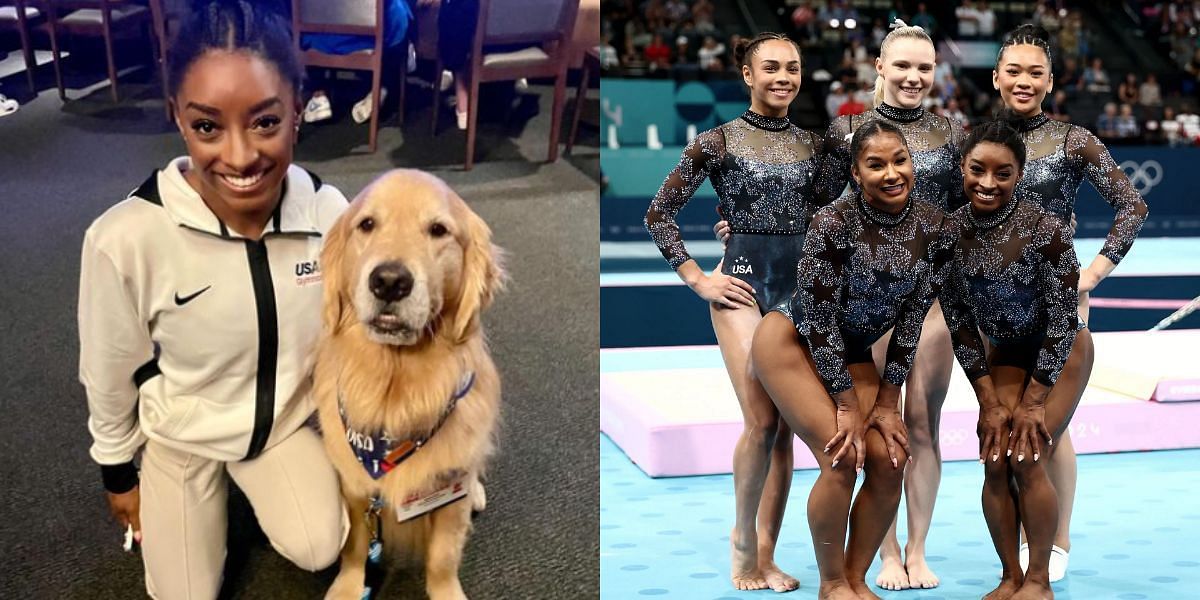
402,386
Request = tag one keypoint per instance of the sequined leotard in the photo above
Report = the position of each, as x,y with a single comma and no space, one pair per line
1060,155
762,169
935,143
1015,277
864,272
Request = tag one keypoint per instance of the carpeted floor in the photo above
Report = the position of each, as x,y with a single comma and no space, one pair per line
61,166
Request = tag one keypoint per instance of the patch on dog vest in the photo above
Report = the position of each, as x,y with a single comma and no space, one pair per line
418,504
380,452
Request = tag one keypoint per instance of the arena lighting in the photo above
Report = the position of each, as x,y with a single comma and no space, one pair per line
833,23
851,23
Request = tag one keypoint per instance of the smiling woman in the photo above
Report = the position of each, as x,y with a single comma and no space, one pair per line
198,314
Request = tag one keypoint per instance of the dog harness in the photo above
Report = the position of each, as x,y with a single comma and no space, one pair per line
379,453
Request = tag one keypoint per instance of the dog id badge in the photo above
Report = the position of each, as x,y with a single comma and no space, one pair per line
418,504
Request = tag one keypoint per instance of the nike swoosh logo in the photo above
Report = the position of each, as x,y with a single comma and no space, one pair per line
180,301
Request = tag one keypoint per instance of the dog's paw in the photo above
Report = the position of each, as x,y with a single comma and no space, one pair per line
347,586
478,496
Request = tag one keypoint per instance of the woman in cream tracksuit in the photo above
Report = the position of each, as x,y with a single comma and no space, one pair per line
199,305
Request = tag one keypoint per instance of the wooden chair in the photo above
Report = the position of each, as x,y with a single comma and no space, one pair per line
164,14
26,16
591,64
351,17
548,26
425,19
99,18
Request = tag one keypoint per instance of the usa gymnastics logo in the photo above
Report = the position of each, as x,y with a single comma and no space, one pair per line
1144,176
741,266
308,272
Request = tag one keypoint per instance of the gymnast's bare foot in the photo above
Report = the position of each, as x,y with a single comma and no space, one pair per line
919,575
892,576
1008,586
836,590
776,578
745,572
861,589
1031,590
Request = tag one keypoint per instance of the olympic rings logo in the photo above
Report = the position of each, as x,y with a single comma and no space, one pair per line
1143,176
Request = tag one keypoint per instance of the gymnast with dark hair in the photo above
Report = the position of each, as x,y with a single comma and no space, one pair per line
1015,277
197,322
872,262
762,168
1059,157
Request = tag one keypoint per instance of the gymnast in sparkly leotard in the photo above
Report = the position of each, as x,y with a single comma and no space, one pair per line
873,261
905,65
762,168
1060,157
1015,278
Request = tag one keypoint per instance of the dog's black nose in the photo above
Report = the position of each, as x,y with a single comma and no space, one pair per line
391,281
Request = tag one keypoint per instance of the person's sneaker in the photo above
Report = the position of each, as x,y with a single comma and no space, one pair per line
8,106
317,109
462,119
447,81
362,109
412,58
522,85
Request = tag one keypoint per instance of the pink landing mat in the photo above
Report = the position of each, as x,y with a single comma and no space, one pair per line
674,419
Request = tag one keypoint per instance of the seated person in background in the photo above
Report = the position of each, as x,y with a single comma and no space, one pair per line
712,54
1058,108
852,106
1106,125
1095,80
836,98
1127,124
658,54
1127,92
397,16
1149,94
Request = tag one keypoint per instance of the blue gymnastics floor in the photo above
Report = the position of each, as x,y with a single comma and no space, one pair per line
1134,533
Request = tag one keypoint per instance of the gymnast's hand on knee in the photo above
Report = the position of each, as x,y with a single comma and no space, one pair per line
890,423
1029,423
850,431
995,424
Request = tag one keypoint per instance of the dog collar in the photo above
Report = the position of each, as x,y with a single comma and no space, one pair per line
380,452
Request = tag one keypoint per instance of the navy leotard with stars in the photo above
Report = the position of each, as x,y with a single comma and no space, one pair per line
763,170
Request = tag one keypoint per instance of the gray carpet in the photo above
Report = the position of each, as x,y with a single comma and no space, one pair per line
61,166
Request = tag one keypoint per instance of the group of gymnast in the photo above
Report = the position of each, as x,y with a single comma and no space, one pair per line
946,245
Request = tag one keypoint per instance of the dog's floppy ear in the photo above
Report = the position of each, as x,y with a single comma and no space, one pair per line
482,275
333,279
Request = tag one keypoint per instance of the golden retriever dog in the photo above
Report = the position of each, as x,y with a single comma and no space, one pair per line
403,370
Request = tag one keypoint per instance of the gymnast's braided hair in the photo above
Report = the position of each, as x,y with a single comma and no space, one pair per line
869,130
256,27
1000,131
1027,34
746,48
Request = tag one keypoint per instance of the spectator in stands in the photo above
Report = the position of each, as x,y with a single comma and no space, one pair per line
878,32
1127,124
702,14
836,98
1095,79
925,21
1071,36
1127,92
1058,108
683,52
954,111
1106,124
1170,126
608,54
1149,94
655,14
987,21
866,72
1188,85
857,51
631,58
711,54
852,106
1069,78
1046,17
968,20
658,53
804,19
1183,45
1189,125
677,10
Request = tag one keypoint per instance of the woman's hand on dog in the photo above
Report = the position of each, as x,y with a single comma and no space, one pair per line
125,510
